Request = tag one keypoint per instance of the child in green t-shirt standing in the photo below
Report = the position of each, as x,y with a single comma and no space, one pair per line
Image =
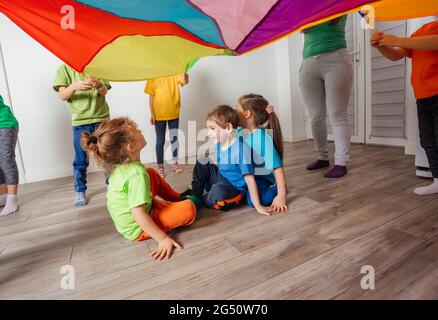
8,165
86,99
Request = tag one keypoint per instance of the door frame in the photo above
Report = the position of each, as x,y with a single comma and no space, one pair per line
369,139
359,62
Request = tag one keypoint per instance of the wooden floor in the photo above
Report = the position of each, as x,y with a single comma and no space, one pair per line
316,251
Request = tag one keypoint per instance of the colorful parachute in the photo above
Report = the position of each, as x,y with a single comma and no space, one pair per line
128,40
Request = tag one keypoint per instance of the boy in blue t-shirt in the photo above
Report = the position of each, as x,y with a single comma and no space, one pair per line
227,182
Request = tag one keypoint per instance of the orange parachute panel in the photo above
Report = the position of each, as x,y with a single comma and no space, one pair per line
405,9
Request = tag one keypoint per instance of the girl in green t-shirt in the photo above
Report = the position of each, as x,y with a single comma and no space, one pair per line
132,190
8,165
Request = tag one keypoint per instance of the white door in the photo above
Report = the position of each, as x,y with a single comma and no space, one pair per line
356,107
4,92
385,88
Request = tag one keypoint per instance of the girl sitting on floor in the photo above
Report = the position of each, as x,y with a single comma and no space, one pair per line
131,198
257,118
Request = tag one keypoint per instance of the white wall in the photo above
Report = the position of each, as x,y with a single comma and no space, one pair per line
291,103
297,102
45,128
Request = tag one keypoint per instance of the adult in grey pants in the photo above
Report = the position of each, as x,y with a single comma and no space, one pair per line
326,78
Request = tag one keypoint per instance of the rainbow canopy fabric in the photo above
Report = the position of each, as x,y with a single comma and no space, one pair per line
129,40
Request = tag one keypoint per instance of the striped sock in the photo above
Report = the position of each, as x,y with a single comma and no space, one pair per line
160,169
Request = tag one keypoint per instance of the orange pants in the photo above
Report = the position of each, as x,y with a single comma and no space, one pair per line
171,213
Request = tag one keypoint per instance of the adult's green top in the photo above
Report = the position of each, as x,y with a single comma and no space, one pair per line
325,37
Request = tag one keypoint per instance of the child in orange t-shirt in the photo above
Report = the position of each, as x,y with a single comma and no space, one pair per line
422,48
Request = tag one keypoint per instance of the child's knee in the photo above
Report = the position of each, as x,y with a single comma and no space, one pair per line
189,211
220,192
222,196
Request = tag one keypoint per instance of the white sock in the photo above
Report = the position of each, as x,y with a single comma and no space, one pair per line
11,205
430,189
3,198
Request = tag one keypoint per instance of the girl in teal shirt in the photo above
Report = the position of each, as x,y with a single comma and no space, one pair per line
256,116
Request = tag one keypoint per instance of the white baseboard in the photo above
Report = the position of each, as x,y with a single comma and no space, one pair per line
410,149
62,172
298,139
151,158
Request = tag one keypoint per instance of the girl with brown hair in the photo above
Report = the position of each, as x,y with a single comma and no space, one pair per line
261,131
132,190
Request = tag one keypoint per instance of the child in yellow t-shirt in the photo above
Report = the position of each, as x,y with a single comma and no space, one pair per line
165,103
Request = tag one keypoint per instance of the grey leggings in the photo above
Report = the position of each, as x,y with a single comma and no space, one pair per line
8,165
326,83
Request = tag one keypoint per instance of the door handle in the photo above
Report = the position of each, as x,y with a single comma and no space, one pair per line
356,55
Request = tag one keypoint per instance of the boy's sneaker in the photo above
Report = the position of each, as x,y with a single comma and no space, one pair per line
227,204
80,199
